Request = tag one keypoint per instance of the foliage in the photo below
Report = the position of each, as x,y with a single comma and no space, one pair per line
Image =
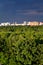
21,45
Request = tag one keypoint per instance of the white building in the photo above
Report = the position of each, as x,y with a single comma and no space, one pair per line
12,24
41,23
17,24
28,23
5,24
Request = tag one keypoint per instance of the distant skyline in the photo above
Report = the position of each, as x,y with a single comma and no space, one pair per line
21,10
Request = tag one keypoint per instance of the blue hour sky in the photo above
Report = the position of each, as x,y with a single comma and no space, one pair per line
21,10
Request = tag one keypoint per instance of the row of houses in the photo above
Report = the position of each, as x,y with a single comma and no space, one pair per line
35,23
32,23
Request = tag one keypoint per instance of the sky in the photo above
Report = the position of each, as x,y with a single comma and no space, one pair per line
21,10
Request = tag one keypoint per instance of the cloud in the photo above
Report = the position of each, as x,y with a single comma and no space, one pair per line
29,12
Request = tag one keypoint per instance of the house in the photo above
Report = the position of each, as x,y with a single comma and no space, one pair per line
5,24
12,24
20,24
41,23
28,23
33,23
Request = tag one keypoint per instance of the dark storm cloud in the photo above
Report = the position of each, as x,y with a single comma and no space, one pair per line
36,5
30,10
21,10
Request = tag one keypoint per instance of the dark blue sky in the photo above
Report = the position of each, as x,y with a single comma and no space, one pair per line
21,10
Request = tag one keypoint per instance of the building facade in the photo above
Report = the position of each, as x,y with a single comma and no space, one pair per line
41,23
33,23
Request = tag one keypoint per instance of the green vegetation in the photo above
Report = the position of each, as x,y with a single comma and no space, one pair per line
21,45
